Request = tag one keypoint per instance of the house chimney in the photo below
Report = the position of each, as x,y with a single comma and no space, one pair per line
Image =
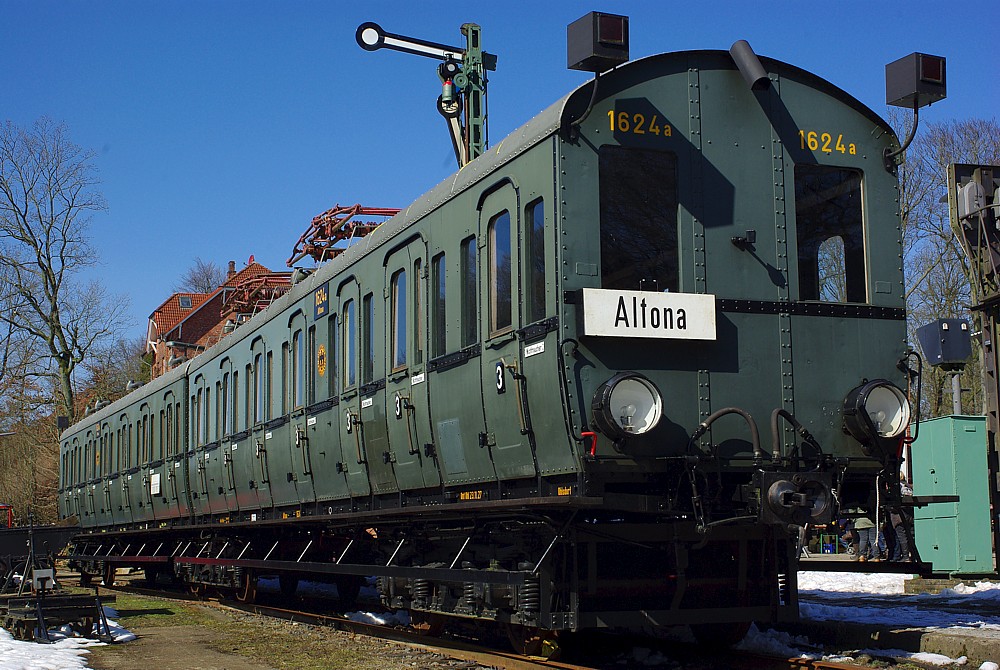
232,270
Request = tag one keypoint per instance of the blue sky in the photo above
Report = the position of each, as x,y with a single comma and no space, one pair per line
222,127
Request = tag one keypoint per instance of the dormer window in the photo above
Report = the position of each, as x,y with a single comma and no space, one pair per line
184,301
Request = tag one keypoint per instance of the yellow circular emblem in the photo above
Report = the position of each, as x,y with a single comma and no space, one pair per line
321,360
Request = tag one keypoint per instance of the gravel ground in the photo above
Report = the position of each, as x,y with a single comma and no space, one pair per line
232,640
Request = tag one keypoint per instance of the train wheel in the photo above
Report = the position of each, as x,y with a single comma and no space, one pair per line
288,585
149,576
84,627
108,574
85,579
532,641
197,589
23,631
720,634
427,623
348,588
247,593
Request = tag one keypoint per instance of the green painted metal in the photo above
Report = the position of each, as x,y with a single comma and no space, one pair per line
472,81
949,458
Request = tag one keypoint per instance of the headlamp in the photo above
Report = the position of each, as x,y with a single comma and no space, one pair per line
627,404
876,409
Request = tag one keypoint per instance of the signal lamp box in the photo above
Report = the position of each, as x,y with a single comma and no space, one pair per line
915,81
597,42
949,458
947,343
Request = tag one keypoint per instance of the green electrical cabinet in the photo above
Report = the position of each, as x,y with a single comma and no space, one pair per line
949,458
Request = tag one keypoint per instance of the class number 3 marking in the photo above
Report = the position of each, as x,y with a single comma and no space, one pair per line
501,378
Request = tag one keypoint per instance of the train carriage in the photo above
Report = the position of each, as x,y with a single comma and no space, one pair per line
532,396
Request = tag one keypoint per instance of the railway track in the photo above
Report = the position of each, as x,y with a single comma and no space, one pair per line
602,651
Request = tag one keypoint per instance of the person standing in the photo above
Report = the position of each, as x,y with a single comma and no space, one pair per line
867,538
899,519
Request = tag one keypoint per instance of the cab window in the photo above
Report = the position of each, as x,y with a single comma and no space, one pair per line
638,207
830,234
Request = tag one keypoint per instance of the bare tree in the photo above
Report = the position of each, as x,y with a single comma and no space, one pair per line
202,277
48,191
938,283
112,367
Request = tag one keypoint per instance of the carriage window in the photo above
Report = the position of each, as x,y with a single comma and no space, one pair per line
248,391
258,388
468,272
418,313
298,378
500,295
399,320
269,391
830,234
287,371
638,205
310,364
350,362
438,273
145,437
368,339
203,418
224,400
534,228
170,429
234,392
332,354
177,428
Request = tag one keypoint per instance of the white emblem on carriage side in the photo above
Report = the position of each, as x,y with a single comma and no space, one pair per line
367,402
677,316
311,421
417,379
267,435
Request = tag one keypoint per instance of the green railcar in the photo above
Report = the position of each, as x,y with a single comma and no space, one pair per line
530,397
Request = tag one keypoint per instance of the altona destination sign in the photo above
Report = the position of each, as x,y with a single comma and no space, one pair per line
676,316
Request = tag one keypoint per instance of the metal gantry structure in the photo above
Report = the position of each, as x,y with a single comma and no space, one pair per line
974,211
336,226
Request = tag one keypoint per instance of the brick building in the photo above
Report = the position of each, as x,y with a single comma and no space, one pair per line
186,324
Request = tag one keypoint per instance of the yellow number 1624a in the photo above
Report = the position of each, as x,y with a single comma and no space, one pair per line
637,124
820,141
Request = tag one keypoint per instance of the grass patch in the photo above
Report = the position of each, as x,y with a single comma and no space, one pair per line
136,612
303,648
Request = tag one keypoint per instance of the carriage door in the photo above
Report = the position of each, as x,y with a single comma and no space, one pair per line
502,372
406,388
259,396
354,466
301,454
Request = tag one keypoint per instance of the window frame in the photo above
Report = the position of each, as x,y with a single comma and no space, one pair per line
468,276
535,302
439,313
398,321
501,314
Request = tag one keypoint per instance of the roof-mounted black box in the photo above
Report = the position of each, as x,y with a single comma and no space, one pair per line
597,42
916,80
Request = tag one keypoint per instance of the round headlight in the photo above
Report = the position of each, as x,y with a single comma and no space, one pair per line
627,404
876,409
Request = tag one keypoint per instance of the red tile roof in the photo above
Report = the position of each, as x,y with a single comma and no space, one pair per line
170,313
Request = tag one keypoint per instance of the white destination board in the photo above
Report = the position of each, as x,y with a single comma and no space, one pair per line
675,316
